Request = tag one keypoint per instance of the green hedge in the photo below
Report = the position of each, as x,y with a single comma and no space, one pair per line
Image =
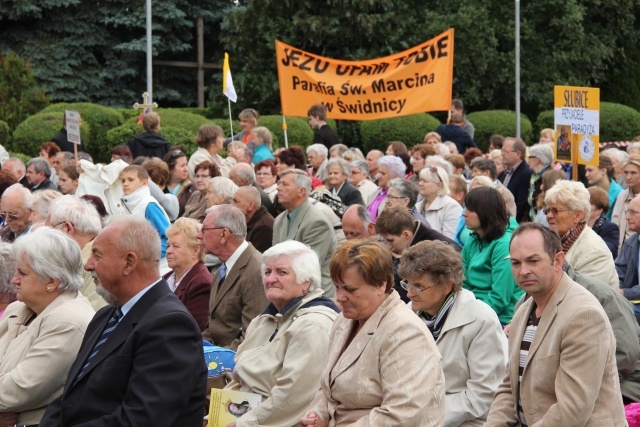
176,126
617,122
501,122
25,159
101,119
376,134
298,131
38,129
5,134
129,113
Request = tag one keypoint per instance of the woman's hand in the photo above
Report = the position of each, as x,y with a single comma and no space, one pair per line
507,329
311,419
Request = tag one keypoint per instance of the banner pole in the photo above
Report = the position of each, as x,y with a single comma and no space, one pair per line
230,120
284,128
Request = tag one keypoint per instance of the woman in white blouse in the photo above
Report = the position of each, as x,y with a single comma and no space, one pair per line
441,211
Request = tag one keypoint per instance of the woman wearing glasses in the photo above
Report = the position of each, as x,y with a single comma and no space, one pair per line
487,270
267,177
441,211
197,204
466,330
568,208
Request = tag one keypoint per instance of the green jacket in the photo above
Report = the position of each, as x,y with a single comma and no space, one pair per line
487,273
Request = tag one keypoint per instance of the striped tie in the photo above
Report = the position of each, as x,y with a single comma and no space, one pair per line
111,325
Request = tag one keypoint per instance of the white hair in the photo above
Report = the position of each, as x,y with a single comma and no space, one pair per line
440,162
7,270
52,255
304,261
395,165
571,194
615,153
222,187
442,149
319,149
543,152
22,191
302,179
79,212
41,201
439,175
341,163
230,218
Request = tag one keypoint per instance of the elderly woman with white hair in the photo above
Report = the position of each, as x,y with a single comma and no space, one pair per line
540,160
40,205
220,191
441,211
41,333
568,206
389,167
7,269
287,346
317,155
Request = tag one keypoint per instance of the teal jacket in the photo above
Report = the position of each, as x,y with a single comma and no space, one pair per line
487,273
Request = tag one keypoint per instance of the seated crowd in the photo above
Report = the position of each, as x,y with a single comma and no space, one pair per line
429,285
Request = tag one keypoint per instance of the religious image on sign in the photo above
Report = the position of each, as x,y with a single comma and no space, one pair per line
563,143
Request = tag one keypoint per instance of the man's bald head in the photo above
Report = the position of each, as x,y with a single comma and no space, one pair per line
356,223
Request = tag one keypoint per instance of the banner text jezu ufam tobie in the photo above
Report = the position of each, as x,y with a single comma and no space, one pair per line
414,81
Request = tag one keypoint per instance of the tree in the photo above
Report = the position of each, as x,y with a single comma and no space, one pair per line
562,41
19,94
95,51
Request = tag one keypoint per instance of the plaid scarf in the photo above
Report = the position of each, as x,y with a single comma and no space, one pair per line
436,322
571,236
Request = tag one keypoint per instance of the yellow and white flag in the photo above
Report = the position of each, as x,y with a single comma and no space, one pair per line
227,82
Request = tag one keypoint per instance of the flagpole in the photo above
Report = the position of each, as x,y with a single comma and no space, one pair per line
230,120
284,128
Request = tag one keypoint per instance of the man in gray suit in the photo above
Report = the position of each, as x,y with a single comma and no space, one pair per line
237,296
304,222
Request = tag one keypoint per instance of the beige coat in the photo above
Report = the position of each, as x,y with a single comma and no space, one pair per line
443,215
35,359
285,369
390,375
589,255
570,378
474,356
202,155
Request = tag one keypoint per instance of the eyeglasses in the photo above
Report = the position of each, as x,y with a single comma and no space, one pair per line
396,197
632,212
553,211
503,151
415,289
10,215
211,228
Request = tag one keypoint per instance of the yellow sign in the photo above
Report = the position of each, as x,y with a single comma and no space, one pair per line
414,81
577,124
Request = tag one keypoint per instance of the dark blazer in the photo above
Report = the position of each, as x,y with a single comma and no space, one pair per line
194,291
238,301
627,267
44,185
609,232
61,141
150,371
519,187
260,229
350,195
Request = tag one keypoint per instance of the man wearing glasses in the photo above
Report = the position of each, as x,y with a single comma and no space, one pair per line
15,208
517,175
627,261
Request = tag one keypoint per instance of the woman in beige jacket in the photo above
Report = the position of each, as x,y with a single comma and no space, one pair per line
466,330
285,348
384,368
40,334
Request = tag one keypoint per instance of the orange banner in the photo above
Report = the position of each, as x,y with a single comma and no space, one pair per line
414,81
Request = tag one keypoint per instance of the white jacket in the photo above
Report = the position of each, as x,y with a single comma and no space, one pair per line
102,181
474,360
443,215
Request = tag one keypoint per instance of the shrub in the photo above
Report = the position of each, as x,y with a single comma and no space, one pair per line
376,134
177,127
129,113
349,133
617,122
502,122
38,129
19,94
5,134
25,159
101,119
298,131
224,124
